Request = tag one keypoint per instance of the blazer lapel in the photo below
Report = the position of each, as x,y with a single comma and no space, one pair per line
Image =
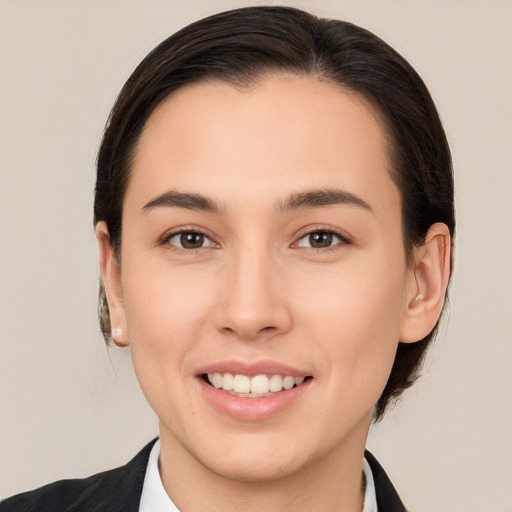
118,490
387,497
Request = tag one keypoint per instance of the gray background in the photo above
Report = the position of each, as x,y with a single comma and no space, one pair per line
68,408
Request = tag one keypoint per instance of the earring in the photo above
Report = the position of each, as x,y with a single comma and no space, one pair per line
117,331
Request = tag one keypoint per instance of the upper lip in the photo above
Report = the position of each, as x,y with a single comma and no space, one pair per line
265,367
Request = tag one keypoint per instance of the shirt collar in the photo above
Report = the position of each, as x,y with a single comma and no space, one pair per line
370,497
154,498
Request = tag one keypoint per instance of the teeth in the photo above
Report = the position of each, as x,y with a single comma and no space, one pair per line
259,385
228,381
241,384
288,382
276,383
217,380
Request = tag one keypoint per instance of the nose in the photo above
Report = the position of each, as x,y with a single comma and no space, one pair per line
254,301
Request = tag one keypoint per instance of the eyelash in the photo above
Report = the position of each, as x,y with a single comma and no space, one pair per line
342,239
166,239
308,232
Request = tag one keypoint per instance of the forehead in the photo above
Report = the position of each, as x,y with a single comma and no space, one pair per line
281,133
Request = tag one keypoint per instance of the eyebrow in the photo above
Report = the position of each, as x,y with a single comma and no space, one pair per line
187,200
321,198
301,200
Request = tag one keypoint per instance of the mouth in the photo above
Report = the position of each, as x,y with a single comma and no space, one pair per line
256,386
254,391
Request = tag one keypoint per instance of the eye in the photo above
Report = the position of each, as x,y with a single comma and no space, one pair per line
190,240
320,240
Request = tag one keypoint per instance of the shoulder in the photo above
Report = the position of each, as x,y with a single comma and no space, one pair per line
115,490
387,497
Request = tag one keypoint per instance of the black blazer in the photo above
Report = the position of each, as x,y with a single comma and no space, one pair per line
120,489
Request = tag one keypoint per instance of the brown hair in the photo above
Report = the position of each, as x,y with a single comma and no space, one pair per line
239,47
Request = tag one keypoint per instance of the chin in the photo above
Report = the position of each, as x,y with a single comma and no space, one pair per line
255,470
257,461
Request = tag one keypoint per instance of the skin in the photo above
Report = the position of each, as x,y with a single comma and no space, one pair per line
256,290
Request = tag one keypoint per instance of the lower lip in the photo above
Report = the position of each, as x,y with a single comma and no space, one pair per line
256,408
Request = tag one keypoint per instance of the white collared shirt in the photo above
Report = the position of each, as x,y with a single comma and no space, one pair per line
155,499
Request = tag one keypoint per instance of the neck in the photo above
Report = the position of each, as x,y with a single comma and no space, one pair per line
332,482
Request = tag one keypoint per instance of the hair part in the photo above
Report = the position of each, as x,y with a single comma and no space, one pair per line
243,46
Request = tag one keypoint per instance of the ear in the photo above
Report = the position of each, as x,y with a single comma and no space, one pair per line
111,275
428,279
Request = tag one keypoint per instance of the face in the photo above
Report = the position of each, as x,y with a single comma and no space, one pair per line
262,249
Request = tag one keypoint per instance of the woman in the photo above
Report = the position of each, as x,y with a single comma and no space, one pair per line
274,213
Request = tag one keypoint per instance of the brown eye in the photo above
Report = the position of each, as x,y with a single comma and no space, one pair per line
190,240
320,239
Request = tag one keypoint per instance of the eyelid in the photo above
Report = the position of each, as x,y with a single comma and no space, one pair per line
344,237
168,235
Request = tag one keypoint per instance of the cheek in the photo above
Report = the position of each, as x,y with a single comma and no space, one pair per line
356,319
165,314
164,333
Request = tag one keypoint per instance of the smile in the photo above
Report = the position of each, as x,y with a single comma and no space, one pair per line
253,387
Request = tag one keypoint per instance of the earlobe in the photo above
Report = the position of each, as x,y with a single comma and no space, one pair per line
428,282
111,277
